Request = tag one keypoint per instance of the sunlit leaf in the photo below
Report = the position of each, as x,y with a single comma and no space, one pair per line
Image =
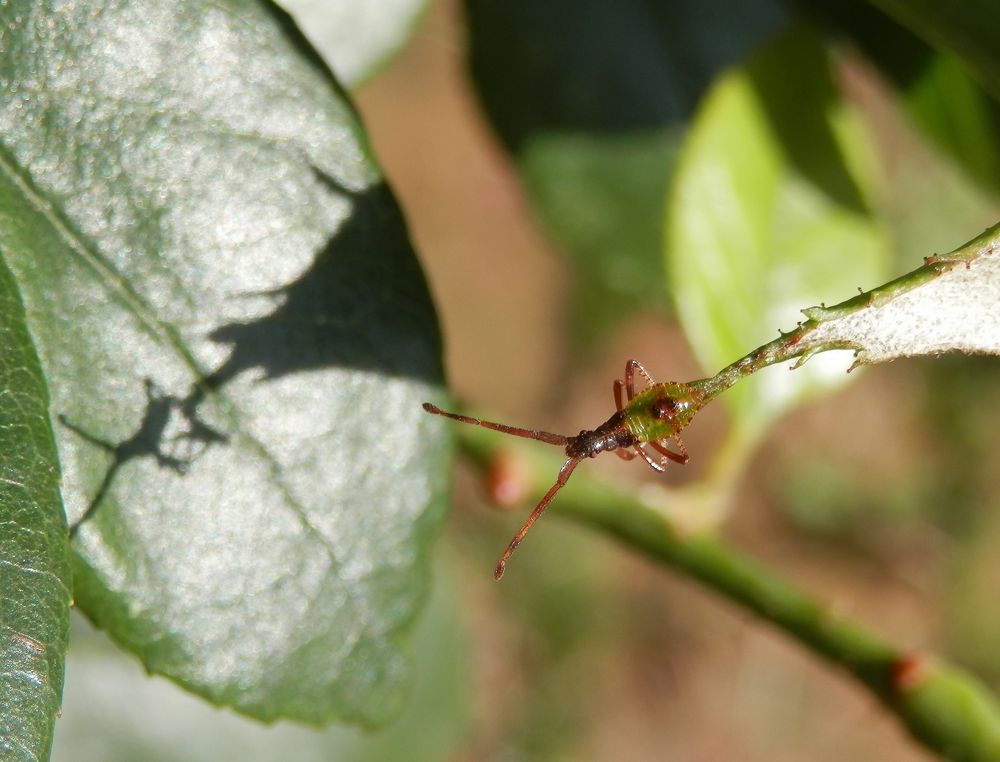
236,337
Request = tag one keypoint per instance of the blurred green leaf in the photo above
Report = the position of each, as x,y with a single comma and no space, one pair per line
357,37
236,337
959,116
600,197
971,30
943,99
770,210
602,68
109,702
34,553
591,97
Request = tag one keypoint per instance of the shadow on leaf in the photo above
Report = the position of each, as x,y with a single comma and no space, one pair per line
362,305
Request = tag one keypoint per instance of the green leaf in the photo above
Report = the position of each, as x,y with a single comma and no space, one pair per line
594,124
971,30
34,552
770,203
943,99
236,337
600,197
959,116
100,724
357,37
562,67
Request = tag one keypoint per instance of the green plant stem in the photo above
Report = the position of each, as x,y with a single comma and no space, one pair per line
947,710
816,333
797,344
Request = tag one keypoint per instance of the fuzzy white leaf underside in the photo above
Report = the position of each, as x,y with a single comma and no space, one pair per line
959,310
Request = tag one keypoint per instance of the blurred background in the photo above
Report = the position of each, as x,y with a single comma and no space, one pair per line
544,158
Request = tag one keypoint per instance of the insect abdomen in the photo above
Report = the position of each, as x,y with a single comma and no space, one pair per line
610,435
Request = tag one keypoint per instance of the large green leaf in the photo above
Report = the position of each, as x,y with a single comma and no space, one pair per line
591,97
34,552
770,210
237,339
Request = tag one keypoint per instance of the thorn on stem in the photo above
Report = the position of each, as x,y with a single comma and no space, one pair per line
908,671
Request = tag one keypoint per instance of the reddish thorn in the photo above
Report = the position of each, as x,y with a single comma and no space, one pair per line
907,672
507,479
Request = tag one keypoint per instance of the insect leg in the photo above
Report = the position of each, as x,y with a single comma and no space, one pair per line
681,457
623,454
642,370
661,466
630,378
630,368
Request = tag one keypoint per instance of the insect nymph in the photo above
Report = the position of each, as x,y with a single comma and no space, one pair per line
653,417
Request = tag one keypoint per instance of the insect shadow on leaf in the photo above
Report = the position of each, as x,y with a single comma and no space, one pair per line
151,440
348,309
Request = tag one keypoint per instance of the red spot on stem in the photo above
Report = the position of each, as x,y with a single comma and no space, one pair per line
908,671
507,479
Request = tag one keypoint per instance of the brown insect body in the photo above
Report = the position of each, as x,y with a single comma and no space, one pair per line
611,435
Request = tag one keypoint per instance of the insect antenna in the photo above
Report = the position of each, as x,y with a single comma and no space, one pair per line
561,480
541,436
